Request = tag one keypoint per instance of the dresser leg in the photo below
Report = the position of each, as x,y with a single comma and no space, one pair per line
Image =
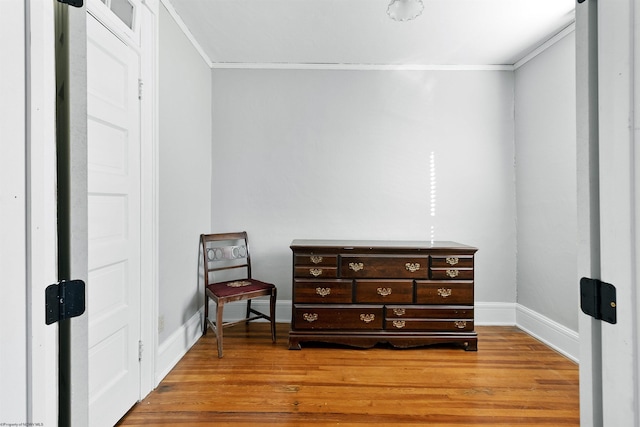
471,345
294,344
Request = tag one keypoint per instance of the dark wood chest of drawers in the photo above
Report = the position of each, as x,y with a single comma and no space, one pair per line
360,293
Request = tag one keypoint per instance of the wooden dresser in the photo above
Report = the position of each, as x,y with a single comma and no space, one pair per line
360,293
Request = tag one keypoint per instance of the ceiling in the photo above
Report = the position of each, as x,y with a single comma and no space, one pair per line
448,33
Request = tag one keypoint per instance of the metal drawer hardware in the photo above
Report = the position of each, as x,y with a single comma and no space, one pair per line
452,260
384,291
356,266
399,324
315,272
367,318
460,324
316,259
444,292
310,317
399,311
323,292
453,273
412,266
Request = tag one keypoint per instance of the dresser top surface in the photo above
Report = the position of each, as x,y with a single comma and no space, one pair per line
378,244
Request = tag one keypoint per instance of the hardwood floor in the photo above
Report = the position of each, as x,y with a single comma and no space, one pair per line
512,380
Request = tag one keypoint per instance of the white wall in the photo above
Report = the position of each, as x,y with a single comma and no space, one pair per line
546,184
348,154
184,173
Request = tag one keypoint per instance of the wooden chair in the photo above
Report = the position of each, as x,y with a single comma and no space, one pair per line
227,278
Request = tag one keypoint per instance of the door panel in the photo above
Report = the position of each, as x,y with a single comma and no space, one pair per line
113,293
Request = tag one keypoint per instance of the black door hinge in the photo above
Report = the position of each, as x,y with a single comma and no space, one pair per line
74,3
598,299
64,300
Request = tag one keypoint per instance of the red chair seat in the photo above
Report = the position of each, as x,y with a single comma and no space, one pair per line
238,287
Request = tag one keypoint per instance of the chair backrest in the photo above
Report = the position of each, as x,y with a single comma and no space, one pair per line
226,255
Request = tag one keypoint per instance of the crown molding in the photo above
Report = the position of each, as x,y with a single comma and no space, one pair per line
571,28
357,67
172,11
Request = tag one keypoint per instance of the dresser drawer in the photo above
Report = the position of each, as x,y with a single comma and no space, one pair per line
394,312
461,325
322,291
451,261
315,260
380,267
345,317
444,292
384,291
451,273
316,272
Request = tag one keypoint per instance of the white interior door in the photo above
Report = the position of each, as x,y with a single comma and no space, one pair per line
113,289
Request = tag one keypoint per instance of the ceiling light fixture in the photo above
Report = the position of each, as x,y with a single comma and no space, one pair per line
405,10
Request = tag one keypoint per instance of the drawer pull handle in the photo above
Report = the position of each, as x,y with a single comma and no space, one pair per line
367,318
412,266
453,273
399,324
316,259
356,266
310,317
460,324
385,292
399,311
444,292
452,260
315,272
323,292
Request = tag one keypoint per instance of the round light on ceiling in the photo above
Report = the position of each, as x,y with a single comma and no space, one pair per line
405,10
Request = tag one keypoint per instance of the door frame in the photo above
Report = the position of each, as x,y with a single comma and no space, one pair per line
608,79
42,339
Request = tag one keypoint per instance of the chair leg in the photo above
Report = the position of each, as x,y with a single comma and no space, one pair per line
272,314
248,311
219,328
206,314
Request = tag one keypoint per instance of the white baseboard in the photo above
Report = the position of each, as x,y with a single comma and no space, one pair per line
556,336
176,346
553,334
495,313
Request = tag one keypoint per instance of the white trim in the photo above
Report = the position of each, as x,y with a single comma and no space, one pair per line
357,67
571,28
495,313
177,344
556,336
172,11
42,254
104,15
149,196
553,334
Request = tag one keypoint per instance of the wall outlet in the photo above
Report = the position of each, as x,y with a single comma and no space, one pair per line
161,323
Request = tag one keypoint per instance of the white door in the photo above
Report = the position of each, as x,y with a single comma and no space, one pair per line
609,352
113,288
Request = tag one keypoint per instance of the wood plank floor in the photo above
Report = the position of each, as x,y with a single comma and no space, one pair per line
512,380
